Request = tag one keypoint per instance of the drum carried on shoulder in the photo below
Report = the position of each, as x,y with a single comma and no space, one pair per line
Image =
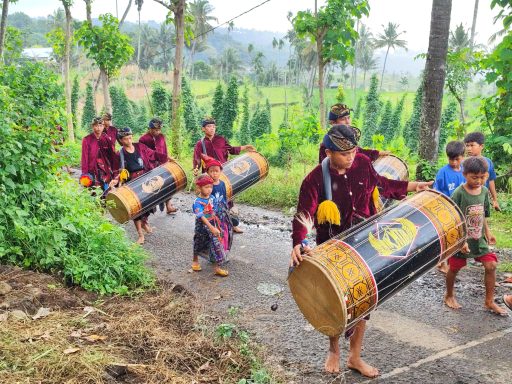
142,194
351,274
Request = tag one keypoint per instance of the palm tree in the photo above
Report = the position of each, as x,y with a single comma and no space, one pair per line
165,40
367,62
459,39
138,3
257,63
148,46
389,39
200,10
435,72
230,62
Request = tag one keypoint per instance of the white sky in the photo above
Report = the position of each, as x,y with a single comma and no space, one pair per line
412,15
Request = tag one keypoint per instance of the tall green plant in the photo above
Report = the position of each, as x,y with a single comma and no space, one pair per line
190,112
229,109
396,119
89,111
371,112
161,100
75,91
218,105
446,127
385,127
412,127
122,111
245,129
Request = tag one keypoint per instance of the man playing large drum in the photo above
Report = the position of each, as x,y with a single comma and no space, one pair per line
338,195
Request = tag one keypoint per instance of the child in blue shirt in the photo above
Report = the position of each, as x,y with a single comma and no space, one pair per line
474,146
450,176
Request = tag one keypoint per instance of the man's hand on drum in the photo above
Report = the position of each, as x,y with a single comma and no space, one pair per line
418,186
297,252
113,183
248,147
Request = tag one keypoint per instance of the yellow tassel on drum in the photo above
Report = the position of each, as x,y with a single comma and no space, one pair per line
328,212
376,200
124,175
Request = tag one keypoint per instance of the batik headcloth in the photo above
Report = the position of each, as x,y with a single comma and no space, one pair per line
338,111
341,138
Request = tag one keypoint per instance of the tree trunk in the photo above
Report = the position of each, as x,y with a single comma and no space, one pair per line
138,56
67,83
106,94
364,80
3,26
383,69
321,66
435,73
125,13
192,53
179,19
354,68
473,27
88,11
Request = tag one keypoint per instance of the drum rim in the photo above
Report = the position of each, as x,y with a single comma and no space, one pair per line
457,208
332,282
120,215
396,157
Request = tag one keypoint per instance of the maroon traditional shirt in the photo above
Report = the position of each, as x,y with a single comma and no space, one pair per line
352,193
97,157
373,154
218,148
112,133
151,159
155,143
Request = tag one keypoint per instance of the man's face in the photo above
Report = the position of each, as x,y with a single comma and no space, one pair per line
97,128
106,122
474,149
455,162
155,131
126,141
345,120
341,160
209,130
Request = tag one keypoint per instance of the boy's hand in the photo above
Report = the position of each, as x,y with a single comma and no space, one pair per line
113,183
384,153
215,231
496,205
465,248
491,239
249,148
296,255
196,171
423,185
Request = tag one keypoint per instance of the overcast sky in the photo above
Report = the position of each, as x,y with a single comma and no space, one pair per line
412,15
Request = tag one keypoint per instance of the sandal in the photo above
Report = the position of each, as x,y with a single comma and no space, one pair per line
196,267
221,272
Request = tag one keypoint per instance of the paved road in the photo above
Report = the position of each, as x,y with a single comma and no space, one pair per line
411,338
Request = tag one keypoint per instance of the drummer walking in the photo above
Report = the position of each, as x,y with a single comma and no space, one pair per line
338,194
217,147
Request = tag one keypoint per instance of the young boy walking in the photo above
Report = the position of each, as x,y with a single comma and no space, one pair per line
472,197
474,142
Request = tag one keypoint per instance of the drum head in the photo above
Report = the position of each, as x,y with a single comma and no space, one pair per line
318,297
117,208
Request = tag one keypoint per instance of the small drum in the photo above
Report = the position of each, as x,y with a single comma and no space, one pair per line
243,172
351,274
145,192
393,168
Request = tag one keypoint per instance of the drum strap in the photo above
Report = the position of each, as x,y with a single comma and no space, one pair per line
326,177
204,149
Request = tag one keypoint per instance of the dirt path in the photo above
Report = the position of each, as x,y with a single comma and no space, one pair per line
411,338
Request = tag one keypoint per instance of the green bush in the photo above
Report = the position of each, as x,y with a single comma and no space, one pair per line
48,223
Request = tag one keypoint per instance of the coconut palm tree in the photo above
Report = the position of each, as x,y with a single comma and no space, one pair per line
389,39
459,39
367,62
200,10
230,62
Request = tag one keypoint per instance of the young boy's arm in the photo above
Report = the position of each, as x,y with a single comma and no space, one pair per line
213,230
491,240
494,195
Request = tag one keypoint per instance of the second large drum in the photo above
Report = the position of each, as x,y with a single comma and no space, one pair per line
393,168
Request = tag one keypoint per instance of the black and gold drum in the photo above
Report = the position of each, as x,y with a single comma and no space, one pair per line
351,274
393,168
243,172
142,194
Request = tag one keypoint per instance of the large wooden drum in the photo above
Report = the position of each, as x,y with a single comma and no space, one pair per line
242,172
351,274
393,168
142,194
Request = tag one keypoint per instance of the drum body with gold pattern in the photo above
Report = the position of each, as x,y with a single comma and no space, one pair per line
145,192
393,168
242,172
351,274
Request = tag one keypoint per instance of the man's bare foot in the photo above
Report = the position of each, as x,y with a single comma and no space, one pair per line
147,228
362,367
332,362
451,302
443,267
496,309
140,240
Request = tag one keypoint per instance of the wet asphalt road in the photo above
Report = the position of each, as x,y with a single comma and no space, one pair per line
411,338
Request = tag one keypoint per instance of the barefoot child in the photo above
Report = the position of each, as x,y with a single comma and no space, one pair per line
214,170
473,199
207,234
450,177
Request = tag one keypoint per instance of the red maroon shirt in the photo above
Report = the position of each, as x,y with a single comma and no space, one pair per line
373,154
112,133
150,158
352,193
93,149
218,148
155,143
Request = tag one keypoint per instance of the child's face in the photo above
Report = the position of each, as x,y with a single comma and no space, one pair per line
474,149
214,172
98,129
475,180
455,162
206,190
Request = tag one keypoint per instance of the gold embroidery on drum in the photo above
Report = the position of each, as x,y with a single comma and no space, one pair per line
153,185
240,167
394,237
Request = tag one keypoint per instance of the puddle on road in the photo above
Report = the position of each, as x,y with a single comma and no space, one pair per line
269,289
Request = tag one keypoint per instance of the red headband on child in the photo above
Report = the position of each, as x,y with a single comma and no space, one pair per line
203,180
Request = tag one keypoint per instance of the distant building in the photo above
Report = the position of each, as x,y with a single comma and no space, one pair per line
37,54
